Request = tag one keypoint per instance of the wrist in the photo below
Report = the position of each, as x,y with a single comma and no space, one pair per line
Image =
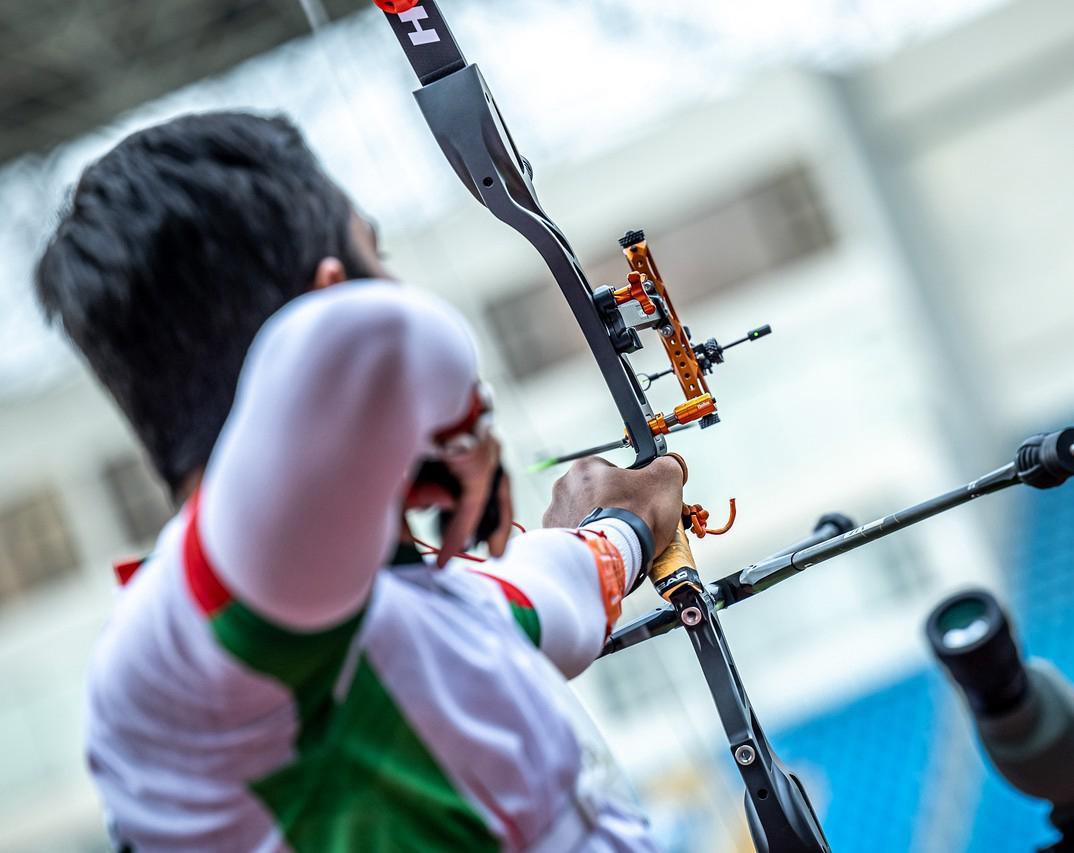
629,525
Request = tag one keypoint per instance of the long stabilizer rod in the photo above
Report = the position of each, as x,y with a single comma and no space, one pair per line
1043,461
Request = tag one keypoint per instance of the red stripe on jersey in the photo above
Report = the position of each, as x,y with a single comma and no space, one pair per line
209,593
511,592
125,569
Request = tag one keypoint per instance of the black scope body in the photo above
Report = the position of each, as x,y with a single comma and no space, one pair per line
1023,710
970,635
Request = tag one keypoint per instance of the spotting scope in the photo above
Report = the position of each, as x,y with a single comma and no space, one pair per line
1023,710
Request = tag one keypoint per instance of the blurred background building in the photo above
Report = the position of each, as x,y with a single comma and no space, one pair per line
889,184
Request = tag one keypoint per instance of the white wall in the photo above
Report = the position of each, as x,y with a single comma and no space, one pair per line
979,130
60,439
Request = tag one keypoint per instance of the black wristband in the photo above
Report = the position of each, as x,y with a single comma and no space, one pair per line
641,530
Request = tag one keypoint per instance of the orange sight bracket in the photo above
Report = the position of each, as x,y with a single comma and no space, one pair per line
676,342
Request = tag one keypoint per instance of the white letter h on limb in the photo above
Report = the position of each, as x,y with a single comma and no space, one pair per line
419,36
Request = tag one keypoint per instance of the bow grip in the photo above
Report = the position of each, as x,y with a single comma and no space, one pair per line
675,566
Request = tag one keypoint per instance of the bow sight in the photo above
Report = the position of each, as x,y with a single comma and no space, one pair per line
467,124
644,303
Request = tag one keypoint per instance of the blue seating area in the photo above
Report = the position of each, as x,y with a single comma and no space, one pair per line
897,770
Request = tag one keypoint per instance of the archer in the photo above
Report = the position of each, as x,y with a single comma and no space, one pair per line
267,680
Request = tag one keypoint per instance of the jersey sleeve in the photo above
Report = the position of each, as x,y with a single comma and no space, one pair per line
564,588
340,396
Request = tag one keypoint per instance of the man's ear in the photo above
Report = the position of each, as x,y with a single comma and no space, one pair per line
329,271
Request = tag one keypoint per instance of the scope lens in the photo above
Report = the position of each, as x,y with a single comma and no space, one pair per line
971,637
962,623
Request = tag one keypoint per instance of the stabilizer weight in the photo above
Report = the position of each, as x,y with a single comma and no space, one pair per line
1046,460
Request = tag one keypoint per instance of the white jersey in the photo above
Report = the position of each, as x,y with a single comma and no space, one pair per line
269,682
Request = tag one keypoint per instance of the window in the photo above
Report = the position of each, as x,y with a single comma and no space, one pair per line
139,499
790,217
35,543
766,226
535,328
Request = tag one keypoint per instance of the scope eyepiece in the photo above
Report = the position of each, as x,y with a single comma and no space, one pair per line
971,636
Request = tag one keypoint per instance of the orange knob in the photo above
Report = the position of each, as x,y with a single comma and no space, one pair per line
635,289
696,408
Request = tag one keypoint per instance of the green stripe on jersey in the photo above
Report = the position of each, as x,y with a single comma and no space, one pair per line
370,784
362,779
307,663
527,620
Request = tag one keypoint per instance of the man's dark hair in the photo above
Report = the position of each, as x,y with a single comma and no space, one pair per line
177,246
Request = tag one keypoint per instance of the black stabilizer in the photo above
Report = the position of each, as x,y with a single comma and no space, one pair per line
1046,460
828,526
837,521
